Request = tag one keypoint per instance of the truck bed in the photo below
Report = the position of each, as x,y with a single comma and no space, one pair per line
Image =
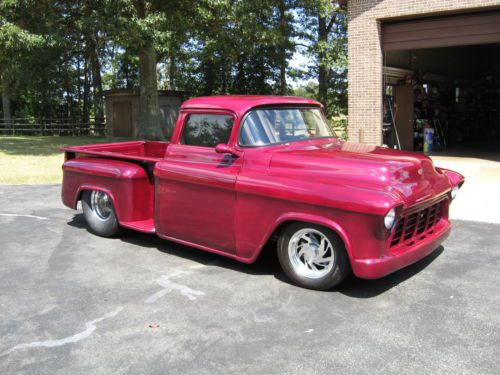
151,151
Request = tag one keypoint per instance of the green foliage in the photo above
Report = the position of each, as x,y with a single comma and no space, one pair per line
324,37
339,125
308,90
57,56
122,70
18,44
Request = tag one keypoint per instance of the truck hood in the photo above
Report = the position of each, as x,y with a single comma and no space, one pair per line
410,175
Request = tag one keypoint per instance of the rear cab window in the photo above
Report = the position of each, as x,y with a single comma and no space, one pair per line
206,130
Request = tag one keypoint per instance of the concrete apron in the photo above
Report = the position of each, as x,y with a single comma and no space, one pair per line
479,197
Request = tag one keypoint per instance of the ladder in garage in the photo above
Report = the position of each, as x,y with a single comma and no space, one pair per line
439,133
392,119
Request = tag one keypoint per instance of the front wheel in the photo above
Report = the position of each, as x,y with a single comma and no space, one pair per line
312,256
99,213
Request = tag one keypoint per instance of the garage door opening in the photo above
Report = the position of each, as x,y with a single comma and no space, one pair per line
442,82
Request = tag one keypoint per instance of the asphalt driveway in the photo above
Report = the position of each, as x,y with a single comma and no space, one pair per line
74,303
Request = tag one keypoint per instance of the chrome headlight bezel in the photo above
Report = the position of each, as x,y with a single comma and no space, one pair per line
453,192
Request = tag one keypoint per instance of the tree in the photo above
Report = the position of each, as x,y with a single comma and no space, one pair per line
236,47
57,57
326,35
138,26
149,127
53,59
89,27
18,43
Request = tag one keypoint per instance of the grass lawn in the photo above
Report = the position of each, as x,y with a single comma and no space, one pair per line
37,160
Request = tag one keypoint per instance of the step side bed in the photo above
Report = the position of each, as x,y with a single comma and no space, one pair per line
121,170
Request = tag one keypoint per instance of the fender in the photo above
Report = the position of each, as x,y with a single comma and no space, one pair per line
127,184
306,218
455,178
81,188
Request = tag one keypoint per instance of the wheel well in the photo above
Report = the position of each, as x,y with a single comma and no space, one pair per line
84,189
80,195
282,226
78,198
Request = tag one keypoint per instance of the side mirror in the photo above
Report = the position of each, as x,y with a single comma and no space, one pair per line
222,148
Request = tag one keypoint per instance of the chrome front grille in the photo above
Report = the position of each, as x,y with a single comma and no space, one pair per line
417,225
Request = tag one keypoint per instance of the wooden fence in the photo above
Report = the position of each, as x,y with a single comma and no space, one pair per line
52,126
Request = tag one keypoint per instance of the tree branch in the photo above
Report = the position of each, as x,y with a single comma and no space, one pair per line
331,23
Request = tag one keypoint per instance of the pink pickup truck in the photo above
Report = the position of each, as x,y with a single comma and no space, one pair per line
241,171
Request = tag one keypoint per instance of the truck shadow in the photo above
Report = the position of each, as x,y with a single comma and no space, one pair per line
268,264
359,288
265,265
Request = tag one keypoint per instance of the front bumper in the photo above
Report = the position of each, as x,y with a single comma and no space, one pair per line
374,268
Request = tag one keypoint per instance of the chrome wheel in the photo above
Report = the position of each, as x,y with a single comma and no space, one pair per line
100,203
311,253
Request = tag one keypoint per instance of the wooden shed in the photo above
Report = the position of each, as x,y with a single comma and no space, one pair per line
122,111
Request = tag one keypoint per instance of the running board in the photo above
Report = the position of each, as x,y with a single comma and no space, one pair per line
145,226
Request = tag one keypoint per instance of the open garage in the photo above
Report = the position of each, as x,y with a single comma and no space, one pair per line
426,64
442,79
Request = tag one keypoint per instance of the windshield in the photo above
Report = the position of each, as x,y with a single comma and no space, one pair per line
269,126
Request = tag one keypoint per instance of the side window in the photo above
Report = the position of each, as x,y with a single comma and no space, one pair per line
206,130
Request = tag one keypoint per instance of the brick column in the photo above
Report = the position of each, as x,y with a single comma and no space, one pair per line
364,75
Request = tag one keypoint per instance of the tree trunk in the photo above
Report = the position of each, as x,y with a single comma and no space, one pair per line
282,48
171,68
240,80
223,73
6,103
149,120
149,109
95,66
261,81
86,92
322,61
208,67
79,86
7,106
69,91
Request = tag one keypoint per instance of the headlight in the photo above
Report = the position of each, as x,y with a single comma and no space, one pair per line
390,219
454,192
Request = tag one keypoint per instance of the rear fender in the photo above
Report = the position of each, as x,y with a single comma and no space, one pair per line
84,187
127,184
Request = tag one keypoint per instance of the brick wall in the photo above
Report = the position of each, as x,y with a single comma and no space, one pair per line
366,57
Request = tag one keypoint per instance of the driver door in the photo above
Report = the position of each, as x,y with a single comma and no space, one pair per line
195,186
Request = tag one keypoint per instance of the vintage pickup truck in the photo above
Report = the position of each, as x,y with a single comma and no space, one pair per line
244,171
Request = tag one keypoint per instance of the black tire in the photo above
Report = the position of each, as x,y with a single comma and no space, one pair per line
102,225
338,270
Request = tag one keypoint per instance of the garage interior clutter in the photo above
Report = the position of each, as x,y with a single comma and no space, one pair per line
453,91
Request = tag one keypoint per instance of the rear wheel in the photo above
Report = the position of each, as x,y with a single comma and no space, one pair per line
312,256
99,213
